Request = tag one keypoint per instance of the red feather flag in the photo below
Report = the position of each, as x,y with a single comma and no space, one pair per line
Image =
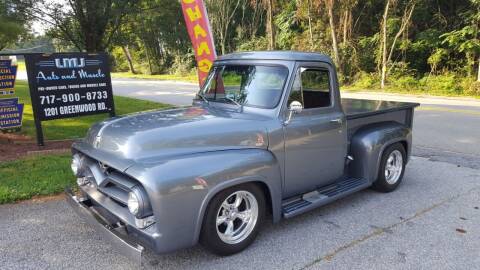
198,26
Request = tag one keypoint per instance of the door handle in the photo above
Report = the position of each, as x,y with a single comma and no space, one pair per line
336,121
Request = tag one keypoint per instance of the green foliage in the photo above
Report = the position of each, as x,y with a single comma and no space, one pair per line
9,32
120,63
367,53
255,44
88,25
183,64
288,27
437,57
404,82
364,80
424,52
471,87
447,84
12,23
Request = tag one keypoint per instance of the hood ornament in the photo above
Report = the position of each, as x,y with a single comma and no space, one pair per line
97,141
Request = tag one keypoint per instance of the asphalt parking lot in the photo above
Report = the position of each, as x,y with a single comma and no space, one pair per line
430,222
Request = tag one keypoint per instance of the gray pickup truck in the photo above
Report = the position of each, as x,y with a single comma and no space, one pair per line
267,134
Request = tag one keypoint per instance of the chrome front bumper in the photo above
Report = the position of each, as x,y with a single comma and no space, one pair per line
108,231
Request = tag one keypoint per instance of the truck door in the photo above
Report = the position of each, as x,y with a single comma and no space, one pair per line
316,137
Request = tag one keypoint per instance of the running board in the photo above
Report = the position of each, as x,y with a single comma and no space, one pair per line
322,196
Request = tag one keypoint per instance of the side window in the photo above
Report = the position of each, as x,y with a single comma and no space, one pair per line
296,93
315,88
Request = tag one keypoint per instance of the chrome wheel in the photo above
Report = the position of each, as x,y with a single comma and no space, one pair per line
393,167
237,217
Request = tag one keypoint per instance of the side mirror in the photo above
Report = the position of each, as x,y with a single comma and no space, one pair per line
294,108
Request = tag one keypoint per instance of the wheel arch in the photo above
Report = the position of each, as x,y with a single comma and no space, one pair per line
267,189
369,143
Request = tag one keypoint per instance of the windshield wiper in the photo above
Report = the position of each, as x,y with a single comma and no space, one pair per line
203,97
233,100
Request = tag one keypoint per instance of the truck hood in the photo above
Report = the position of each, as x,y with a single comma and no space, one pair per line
157,134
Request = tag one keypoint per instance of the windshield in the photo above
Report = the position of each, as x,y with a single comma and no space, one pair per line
250,85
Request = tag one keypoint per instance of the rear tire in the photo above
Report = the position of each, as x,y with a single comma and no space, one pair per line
391,169
232,219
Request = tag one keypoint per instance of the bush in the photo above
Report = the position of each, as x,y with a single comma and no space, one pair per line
405,83
400,70
471,87
183,64
119,63
447,84
365,80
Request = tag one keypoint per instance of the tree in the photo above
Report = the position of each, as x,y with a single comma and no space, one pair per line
467,41
384,45
222,13
347,19
89,25
331,20
164,35
270,6
307,6
12,23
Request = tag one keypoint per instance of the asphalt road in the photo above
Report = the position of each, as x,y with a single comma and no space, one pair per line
430,222
176,93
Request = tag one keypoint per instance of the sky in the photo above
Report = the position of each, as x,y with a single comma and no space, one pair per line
39,27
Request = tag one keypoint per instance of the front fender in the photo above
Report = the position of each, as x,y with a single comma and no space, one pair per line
181,188
368,143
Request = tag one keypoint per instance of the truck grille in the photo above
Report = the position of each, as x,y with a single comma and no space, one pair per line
117,187
110,182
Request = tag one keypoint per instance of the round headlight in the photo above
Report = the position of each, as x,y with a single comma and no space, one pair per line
133,203
76,164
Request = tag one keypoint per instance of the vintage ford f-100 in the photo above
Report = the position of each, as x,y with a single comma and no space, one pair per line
267,133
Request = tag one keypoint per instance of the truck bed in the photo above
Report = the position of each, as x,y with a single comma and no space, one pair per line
361,112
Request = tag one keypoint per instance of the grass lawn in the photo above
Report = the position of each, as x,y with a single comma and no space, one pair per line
21,65
46,175
72,128
164,77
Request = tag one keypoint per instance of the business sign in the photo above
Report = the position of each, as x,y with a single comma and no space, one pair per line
198,26
68,85
11,113
7,77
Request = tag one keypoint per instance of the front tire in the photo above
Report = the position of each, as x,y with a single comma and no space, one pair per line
391,169
232,219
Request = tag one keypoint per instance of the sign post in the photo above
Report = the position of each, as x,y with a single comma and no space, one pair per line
65,85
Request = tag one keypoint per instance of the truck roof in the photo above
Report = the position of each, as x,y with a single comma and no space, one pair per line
276,55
